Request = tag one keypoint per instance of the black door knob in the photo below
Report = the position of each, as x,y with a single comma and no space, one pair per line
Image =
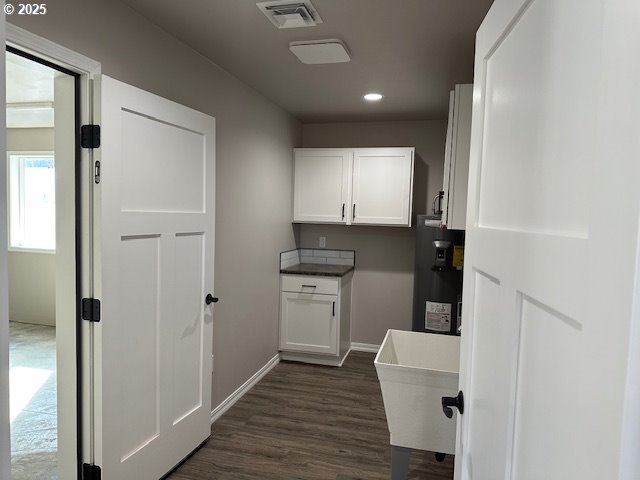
209,299
448,402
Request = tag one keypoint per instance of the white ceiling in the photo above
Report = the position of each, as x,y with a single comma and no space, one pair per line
29,93
412,51
28,81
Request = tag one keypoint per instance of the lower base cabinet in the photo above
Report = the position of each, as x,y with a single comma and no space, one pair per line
315,318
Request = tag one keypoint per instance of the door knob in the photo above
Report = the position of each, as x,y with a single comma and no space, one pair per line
209,299
448,402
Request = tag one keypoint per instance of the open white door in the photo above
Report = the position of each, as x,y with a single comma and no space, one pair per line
65,282
154,268
552,238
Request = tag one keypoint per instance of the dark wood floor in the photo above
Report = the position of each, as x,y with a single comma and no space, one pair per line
307,422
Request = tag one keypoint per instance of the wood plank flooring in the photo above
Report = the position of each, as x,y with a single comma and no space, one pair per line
307,422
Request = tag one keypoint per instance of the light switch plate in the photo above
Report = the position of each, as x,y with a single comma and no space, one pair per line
322,243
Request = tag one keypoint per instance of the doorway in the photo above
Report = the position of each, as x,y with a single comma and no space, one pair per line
41,161
110,430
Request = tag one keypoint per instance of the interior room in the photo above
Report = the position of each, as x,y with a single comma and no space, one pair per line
322,239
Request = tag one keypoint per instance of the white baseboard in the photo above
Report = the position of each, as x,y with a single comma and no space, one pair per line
228,402
365,347
316,359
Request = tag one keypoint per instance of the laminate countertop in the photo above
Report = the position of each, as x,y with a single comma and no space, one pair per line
318,269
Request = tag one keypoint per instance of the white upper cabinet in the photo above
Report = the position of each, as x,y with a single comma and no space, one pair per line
456,163
322,185
367,186
382,186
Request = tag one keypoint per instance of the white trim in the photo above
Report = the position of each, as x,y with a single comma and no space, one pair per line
365,347
47,50
315,358
228,402
31,250
629,460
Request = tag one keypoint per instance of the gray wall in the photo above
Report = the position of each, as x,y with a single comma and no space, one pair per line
5,444
31,274
254,139
383,279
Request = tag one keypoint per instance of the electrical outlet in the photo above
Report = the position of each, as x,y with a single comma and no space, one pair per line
323,242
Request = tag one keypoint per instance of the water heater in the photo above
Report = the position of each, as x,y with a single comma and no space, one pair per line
437,293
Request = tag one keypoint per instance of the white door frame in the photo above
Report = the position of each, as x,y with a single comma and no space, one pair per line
630,454
67,366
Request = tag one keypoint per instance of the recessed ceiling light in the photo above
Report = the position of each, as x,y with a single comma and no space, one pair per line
373,97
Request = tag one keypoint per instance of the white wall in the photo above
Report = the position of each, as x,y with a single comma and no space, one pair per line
254,139
32,288
383,278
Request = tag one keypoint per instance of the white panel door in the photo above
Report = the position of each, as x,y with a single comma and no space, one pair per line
309,323
321,185
65,280
382,186
155,205
549,271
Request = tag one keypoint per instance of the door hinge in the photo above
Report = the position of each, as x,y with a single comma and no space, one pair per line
90,136
91,309
91,472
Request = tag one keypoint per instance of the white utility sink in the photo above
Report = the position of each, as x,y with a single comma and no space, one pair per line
415,371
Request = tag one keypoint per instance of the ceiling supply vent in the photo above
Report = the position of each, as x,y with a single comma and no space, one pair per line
290,14
320,51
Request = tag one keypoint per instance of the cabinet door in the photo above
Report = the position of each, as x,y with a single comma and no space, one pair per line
456,176
382,186
448,151
309,323
322,180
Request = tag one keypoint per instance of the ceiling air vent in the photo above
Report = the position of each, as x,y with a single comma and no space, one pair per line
320,51
290,14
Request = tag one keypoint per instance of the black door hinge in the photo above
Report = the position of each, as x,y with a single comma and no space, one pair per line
90,136
91,309
91,472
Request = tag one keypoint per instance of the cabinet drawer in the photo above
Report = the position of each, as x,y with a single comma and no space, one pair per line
310,284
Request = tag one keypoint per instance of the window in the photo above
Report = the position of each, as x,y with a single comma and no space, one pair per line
32,197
